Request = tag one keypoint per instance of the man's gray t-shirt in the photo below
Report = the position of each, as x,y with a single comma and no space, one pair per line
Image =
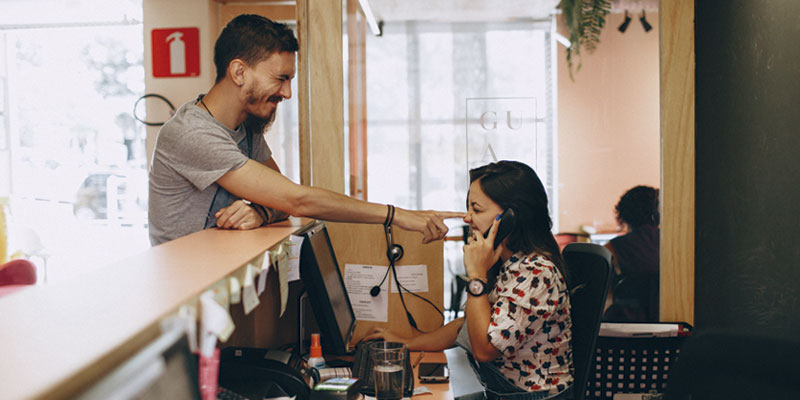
192,151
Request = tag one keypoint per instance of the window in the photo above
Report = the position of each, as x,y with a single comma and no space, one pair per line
422,79
77,181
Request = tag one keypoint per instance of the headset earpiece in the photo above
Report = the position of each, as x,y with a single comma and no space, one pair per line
395,253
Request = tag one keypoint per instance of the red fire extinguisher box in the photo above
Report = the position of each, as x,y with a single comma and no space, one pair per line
176,52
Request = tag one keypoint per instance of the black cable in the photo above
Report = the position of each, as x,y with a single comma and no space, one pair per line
158,96
400,286
376,290
400,289
394,253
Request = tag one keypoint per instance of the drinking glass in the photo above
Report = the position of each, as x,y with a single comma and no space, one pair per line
388,359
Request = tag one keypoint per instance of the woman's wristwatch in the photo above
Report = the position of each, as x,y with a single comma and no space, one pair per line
477,287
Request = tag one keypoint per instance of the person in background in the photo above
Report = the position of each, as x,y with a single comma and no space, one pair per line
211,166
518,326
635,257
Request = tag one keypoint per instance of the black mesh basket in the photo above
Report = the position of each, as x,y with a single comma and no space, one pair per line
634,364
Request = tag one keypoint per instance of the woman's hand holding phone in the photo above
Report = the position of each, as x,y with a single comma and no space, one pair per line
480,253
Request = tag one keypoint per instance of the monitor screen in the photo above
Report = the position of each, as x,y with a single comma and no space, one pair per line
326,291
163,369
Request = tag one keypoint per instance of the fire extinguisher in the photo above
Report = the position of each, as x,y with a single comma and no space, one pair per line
177,54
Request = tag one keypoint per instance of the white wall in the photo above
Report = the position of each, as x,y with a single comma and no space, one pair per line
159,14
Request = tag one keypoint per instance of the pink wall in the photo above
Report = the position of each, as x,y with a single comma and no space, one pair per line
608,123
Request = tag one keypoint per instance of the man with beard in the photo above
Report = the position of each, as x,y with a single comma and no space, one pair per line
212,167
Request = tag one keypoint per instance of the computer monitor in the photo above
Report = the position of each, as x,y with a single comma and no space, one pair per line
326,291
163,369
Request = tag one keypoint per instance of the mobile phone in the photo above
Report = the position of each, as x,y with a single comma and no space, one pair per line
507,222
433,373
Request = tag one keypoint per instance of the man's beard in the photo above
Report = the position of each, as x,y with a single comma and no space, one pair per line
258,125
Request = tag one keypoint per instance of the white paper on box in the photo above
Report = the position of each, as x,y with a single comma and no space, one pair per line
412,277
359,280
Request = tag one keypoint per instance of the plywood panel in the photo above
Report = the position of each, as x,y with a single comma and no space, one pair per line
321,94
357,99
303,102
366,244
678,160
325,93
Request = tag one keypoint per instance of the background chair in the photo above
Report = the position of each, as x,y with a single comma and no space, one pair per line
565,238
722,365
635,299
588,276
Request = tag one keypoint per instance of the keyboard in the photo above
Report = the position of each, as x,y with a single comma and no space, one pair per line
362,369
226,394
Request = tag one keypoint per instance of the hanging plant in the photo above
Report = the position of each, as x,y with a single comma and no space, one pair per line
585,20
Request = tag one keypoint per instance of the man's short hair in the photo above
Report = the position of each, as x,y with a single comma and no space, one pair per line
251,38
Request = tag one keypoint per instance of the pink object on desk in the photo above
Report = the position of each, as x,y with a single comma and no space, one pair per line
8,289
208,375
15,275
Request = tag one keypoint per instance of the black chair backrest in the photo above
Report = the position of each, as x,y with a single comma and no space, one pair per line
639,292
589,273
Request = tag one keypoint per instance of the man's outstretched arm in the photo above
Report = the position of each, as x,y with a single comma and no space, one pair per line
263,185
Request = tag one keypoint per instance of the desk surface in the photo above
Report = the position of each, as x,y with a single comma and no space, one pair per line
57,339
440,391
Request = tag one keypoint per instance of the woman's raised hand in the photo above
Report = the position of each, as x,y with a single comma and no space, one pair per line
479,252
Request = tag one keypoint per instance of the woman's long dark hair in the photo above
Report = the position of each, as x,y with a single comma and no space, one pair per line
512,184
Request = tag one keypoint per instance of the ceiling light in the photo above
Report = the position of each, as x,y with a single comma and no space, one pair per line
646,25
624,25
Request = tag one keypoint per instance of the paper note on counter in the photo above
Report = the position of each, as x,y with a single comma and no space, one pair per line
249,295
296,242
281,257
266,264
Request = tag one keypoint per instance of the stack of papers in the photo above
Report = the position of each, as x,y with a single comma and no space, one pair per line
615,329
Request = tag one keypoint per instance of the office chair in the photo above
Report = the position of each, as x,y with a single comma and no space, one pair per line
635,299
723,365
588,276
563,239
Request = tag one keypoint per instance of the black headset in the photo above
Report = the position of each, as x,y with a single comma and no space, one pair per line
394,252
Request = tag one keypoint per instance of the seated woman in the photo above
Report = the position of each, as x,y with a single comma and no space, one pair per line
518,328
636,258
